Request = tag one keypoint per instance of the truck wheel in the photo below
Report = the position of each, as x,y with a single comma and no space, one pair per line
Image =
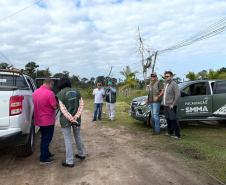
27,149
162,120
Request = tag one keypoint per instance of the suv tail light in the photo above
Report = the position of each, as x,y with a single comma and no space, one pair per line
15,105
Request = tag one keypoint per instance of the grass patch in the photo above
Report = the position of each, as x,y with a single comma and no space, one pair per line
203,145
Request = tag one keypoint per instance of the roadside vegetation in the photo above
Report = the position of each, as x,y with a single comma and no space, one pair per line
201,144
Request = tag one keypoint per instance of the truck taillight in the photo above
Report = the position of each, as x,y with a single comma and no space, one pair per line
15,105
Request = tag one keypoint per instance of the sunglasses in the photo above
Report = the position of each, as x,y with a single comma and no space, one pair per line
98,85
153,76
167,76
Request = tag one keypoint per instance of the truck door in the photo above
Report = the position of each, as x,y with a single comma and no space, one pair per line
219,98
197,102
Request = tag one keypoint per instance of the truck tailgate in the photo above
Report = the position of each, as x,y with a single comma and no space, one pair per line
4,108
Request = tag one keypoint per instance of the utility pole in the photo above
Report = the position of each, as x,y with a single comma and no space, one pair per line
107,78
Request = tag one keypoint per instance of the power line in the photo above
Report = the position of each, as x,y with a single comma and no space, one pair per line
20,11
208,32
5,57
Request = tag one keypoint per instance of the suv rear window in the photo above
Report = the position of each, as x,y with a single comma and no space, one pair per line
10,80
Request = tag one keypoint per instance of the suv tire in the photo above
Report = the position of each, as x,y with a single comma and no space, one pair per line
27,149
163,122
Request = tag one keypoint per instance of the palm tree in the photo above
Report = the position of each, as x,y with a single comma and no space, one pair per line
192,76
130,79
215,75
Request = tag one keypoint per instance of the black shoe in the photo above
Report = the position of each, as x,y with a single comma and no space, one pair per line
155,133
80,157
67,165
49,160
94,120
99,119
51,155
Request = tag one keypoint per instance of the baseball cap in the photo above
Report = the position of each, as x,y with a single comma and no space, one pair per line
154,73
109,83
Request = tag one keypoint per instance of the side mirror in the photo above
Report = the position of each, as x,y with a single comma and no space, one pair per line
184,93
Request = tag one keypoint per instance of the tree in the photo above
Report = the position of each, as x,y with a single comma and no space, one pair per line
75,81
43,73
177,80
222,70
83,82
66,74
215,75
58,75
91,82
130,79
192,76
100,79
31,68
201,74
4,65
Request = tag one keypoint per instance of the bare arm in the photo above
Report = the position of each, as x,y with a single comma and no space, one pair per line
55,107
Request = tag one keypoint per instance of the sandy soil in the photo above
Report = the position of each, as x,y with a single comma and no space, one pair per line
112,157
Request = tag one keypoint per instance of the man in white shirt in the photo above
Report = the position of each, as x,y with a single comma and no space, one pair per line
98,95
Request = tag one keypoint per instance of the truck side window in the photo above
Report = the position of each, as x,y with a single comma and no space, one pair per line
221,87
196,89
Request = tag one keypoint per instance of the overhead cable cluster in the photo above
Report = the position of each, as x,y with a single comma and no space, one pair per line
210,31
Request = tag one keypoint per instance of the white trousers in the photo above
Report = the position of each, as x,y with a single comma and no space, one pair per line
111,110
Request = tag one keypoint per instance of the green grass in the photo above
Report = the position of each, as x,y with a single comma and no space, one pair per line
203,145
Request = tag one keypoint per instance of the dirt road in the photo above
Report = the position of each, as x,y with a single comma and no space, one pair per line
113,156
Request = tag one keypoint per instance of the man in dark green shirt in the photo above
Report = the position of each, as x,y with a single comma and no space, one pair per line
155,92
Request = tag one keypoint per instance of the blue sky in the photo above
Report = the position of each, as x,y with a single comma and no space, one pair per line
87,37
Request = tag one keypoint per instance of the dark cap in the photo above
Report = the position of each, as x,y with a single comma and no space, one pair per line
154,73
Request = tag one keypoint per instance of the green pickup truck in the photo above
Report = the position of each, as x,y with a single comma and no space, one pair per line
200,100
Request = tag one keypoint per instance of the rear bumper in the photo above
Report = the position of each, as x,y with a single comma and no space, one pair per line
10,138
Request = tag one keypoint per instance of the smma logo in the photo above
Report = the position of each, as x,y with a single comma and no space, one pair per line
202,109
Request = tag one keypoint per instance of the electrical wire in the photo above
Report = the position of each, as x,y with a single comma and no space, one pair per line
208,32
20,11
5,57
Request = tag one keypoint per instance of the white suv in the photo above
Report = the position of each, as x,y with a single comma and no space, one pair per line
17,125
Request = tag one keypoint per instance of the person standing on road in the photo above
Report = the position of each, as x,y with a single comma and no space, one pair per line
98,95
71,106
154,99
110,98
45,105
170,100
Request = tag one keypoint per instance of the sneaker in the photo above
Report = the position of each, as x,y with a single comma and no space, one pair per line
155,133
175,138
167,134
51,155
94,120
80,157
67,165
49,160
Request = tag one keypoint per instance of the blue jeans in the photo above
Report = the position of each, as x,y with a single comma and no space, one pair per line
47,136
155,108
96,106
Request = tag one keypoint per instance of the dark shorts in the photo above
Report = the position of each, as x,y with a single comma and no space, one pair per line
170,113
